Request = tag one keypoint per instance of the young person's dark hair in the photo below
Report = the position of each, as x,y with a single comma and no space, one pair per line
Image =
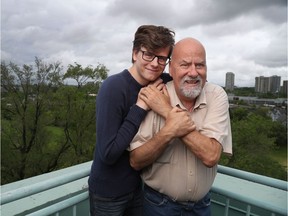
153,38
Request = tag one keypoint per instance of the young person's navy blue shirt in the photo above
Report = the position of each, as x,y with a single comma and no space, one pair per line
118,120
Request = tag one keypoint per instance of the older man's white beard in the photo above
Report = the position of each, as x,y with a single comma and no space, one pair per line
191,92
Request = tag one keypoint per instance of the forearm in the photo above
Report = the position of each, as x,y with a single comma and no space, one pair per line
178,123
150,151
208,150
115,137
164,111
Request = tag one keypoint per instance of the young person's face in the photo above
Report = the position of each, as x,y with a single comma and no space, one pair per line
150,65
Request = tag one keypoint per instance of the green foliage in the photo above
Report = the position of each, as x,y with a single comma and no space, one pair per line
238,114
279,131
250,92
251,134
272,95
46,125
254,139
78,121
26,99
83,75
244,91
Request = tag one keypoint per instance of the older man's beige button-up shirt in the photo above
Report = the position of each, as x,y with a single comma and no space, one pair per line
178,173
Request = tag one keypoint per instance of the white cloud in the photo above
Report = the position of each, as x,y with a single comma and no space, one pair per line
246,37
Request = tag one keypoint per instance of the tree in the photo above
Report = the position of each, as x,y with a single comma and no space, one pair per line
26,99
252,142
279,131
46,125
83,75
80,126
77,118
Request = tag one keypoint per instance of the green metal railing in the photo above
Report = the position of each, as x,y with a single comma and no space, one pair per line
272,182
64,193
248,193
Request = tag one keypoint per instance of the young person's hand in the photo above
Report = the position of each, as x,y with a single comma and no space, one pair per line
156,98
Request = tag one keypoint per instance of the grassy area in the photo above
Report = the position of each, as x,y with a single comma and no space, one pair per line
280,155
55,130
57,133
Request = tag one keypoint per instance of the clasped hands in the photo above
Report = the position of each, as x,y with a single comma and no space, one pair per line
155,96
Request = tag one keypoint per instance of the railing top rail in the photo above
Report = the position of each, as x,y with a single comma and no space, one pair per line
67,175
229,182
251,193
265,180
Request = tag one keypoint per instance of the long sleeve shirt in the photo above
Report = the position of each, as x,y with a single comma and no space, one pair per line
117,121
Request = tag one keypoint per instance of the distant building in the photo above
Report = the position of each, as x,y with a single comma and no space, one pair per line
275,84
261,84
229,81
267,84
285,87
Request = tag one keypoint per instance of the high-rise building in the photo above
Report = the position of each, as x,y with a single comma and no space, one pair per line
267,84
261,84
285,87
275,84
229,81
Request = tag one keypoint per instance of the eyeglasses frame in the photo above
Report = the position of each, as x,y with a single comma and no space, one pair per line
145,51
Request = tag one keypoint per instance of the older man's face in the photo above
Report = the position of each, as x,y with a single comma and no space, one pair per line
188,69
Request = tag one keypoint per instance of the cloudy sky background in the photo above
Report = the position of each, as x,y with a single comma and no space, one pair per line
247,37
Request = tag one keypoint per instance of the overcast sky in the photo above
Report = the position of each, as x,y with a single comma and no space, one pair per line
247,37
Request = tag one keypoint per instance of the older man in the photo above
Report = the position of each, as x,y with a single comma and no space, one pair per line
179,162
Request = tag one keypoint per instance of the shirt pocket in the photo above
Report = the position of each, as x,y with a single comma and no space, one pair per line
169,155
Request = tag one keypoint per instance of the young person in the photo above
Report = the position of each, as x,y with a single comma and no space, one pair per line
114,186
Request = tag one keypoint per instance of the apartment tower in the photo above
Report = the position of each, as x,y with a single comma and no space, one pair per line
229,82
267,84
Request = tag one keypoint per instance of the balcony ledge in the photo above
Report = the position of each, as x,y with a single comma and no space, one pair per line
234,192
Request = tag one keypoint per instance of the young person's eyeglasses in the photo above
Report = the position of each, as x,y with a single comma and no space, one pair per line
148,56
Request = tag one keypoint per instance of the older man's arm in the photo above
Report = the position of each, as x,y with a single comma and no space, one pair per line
178,124
208,150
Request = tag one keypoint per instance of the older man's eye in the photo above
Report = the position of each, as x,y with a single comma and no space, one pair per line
199,66
184,66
